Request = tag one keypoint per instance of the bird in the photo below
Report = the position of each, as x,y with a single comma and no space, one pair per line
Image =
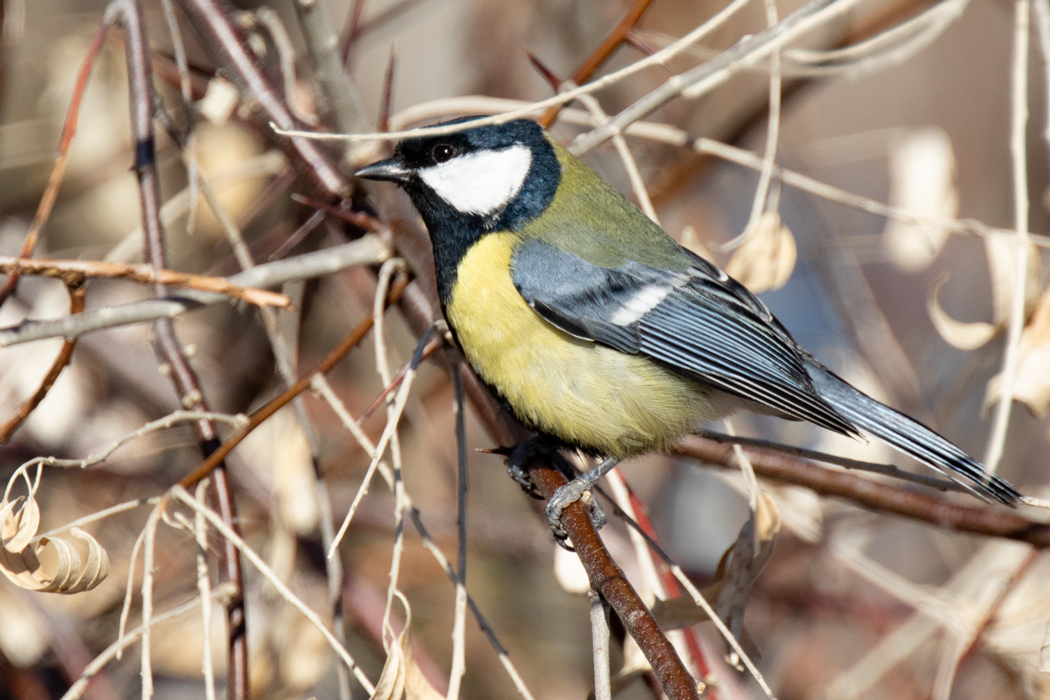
597,329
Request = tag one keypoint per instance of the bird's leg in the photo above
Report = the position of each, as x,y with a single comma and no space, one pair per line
574,491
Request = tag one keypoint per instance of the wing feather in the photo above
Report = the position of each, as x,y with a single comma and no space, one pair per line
697,322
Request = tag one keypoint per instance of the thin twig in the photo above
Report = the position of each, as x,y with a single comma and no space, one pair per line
600,55
47,200
1019,158
216,521
364,251
76,272
339,94
77,295
760,201
600,642
846,462
261,414
459,633
990,521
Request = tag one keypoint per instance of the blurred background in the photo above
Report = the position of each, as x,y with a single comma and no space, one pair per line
852,603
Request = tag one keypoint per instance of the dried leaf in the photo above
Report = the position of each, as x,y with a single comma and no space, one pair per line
219,101
766,259
417,687
746,558
391,684
965,336
736,573
401,678
681,612
922,181
47,564
1002,256
20,524
1032,383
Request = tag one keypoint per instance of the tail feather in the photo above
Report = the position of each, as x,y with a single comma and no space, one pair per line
909,436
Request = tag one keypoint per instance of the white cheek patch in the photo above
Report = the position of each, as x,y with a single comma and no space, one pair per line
644,301
480,183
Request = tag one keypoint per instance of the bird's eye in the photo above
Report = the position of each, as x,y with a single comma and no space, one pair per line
443,152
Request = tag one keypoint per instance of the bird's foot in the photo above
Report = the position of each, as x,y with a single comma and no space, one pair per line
576,490
519,456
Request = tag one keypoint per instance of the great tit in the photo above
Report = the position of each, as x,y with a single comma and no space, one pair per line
599,330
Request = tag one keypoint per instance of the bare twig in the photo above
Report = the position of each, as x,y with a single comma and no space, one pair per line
884,498
76,306
366,250
76,272
1019,157
459,633
351,341
600,55
338,91
47,201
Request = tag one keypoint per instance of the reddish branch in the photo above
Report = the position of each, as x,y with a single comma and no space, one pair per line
76,272
608,579
351,341
76,306
601,54
47,201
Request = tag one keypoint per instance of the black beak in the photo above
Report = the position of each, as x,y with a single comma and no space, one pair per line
390,169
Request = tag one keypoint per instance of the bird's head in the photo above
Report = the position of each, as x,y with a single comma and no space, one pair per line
497,175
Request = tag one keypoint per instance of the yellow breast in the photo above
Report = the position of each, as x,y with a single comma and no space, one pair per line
581,392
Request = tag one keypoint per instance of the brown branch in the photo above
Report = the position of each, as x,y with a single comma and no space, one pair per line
76,306
76,272
608,579
47,201
884,498
601,54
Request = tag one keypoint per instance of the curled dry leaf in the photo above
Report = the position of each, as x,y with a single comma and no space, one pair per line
922,181
401,678
47,564
965,336
1032,384
1002,266
766,259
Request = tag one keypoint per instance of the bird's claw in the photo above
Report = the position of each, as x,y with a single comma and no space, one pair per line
578,489
518,458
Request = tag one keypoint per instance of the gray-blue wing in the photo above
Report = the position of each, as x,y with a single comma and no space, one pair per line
697,322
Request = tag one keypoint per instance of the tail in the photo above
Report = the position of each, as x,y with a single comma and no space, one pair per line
909,436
